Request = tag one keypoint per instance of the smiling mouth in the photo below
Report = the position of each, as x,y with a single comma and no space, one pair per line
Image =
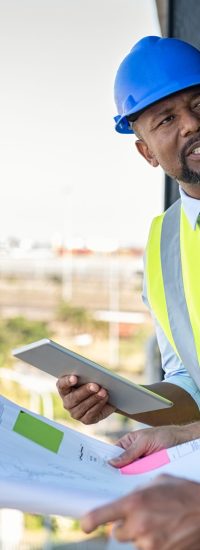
194,156
193,150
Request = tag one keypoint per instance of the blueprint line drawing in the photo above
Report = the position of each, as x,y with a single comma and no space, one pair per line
76,478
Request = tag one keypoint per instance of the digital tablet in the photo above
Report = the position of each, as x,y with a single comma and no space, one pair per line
57,360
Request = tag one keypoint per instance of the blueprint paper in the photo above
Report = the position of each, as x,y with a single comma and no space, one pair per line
77,478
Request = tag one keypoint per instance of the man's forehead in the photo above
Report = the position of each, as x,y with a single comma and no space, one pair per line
168,102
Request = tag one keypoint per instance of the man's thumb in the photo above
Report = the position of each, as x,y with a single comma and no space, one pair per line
127,457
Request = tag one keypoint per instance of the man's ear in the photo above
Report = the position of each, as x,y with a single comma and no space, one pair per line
143,149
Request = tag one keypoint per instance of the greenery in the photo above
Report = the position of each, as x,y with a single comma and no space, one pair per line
33,522
19,331
80,319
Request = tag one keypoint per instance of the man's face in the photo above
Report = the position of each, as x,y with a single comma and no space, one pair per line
170,136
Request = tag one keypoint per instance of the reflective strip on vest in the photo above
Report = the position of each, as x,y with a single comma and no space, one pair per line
169,285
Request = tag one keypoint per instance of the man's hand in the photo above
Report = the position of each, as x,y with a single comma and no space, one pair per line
87,403
144,442
162,516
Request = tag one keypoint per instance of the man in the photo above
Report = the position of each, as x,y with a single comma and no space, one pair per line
157,92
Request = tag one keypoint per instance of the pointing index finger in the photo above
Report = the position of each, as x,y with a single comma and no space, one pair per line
114,511
100,516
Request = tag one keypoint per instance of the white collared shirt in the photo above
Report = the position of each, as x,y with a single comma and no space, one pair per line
191,207
175,371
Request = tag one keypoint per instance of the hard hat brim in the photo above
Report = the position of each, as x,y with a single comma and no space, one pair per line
122,125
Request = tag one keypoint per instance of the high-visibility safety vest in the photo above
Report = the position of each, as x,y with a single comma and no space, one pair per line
173,283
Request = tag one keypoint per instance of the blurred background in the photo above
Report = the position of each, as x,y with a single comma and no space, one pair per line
76,205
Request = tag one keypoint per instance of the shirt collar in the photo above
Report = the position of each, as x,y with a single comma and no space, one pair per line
191,207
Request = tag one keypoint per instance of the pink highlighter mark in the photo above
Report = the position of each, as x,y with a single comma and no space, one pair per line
146,464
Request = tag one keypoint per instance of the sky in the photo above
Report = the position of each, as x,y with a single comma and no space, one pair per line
65,173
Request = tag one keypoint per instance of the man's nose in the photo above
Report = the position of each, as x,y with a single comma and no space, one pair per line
190,123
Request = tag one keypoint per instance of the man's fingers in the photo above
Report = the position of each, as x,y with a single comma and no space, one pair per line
89,408
124,530
97,412
76,395
80,395
122,460
135,451
66,383
87,402
100,516
127,440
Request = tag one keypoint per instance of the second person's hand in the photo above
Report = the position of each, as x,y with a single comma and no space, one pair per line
149,440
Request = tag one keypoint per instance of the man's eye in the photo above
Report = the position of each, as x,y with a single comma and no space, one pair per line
166,120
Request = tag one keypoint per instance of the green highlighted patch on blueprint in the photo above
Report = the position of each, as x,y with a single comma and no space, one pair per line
40,432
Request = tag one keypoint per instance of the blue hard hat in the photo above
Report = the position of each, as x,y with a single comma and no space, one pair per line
154,69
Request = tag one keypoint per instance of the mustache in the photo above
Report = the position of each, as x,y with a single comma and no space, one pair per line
189,143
